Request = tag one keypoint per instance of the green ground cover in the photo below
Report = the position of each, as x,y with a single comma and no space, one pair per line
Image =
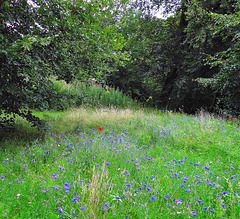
111,163
118,160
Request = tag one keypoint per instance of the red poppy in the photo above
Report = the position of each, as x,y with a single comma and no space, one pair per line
100,129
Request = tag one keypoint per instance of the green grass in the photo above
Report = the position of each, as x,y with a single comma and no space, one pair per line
143,164
89,95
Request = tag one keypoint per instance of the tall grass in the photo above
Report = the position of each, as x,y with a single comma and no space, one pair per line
125,164
93,95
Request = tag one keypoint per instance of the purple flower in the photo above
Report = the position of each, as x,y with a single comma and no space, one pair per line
128,184
152,198
205,208
148,189
167,196
44,191
188,190
212,210
117,197
74,200
105,209
107,163
224,192
83,208
140,188
200,201
194,215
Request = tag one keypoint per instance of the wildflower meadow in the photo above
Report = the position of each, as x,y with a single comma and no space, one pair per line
125,164
127,161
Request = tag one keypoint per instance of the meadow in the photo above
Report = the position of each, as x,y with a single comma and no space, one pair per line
129,162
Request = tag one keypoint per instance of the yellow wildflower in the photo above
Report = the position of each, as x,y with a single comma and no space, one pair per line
147,100
108,92
150,97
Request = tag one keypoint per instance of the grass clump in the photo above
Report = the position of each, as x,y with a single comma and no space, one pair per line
90,95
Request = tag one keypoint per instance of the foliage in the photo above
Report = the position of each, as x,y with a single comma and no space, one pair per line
64,38
226,81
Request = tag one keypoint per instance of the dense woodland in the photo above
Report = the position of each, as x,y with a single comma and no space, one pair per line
186,61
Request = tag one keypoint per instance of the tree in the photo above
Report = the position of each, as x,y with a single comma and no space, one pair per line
63,38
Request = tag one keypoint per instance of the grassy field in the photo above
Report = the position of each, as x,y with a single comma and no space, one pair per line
110,157
110,163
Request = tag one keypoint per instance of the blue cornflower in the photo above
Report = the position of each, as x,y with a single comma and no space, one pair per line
74,200
224,192
140,188
205,208
149,189
188,190
152,198
167,196
212,210
200,201
182,186
83,208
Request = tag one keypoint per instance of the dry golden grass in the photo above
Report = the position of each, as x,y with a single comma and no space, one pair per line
95,195
83,118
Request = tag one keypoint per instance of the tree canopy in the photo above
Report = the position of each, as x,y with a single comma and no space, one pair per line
188,61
